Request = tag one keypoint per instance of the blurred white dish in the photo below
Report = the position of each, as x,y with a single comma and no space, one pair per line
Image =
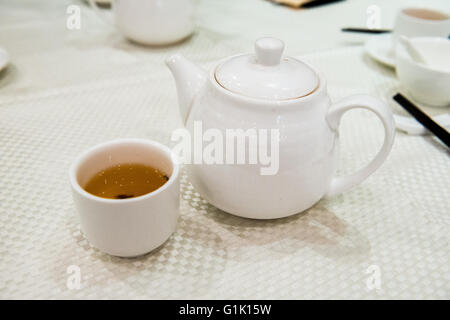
379,47
151,22
427,83
4,58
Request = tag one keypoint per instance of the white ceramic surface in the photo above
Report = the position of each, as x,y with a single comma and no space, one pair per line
411,49
407,24
380,48
134,226
4,58
308,128
152,22
266,74
430,83
411,22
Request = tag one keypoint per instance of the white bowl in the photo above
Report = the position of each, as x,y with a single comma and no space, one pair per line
427,83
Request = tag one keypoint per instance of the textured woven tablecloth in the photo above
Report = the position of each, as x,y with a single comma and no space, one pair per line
68,90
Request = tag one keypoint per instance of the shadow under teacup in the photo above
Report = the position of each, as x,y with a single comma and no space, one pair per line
134,226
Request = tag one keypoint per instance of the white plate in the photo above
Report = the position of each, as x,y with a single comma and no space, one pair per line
4,58
379,47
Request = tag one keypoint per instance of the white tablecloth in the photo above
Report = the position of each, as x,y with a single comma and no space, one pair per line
67,90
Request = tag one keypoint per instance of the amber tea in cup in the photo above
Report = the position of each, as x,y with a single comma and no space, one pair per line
124,181
425,14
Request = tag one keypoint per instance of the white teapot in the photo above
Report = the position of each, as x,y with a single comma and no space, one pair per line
268,91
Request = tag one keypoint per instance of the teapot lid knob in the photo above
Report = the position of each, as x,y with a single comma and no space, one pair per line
268,51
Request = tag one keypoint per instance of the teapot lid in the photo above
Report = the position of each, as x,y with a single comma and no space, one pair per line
266,74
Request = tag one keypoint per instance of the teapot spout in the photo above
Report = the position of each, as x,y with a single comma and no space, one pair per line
188,78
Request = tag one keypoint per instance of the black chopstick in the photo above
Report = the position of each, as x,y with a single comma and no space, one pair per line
424,119
363,30
317,3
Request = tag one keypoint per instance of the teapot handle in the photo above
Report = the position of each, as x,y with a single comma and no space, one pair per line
335,113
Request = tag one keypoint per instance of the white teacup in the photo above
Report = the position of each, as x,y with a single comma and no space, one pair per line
152,22
134,226
428,82
421,22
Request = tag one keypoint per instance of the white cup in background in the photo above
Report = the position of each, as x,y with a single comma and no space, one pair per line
134,226
152,22
421,22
